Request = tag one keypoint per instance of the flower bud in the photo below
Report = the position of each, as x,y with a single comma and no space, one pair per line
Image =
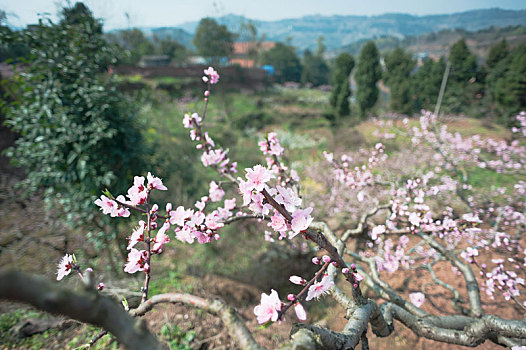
297,280
316,261
345,270
291,297
326,258
100,286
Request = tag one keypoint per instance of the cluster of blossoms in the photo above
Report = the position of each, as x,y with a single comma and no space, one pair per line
454,148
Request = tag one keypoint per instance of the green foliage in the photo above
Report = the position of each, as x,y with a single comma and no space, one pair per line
213,41
507,82
285,62
462,84
497,53
367,74
77,133
171,48
341,90
177,338
426,84
315,70
134,41
398,65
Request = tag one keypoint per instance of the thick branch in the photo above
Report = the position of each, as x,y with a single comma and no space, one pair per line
474,333
228,315
469,277
84,306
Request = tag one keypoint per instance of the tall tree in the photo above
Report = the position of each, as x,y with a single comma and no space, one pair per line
398,67
463,84
77,132
341,90
285,61
497,53
213,41
507,82
315,70
425,84
367,74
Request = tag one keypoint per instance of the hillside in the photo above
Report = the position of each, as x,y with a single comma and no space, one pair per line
438,43
340,31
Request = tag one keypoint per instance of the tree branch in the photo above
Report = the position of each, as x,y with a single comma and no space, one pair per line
228,315
86,306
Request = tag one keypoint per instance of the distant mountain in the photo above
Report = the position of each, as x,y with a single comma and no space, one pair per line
340,31
178,34
438,43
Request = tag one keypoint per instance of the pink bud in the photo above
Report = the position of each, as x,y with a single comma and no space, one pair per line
316,261
168,207
291,297
345,270
355,285
199,146
353,267
300,312
334,263
100,286
297,280
89,269
207,93
206,99
326,258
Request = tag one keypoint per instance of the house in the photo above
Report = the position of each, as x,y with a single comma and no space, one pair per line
242,54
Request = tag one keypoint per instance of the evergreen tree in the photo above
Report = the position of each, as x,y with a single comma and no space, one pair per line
213,41
341,91
77,133
497,53
507,82
399,65
367,74
286,63
315,70
463,84
425,84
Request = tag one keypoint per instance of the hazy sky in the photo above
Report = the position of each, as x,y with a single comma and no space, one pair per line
152,13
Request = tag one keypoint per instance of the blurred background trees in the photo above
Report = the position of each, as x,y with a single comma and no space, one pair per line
77,134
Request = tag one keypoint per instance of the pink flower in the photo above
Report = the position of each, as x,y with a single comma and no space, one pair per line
137,235
137,193
65,266
161,238
106,205
155,183
417,298
136,261
212,74
320,288
301,220
297,280
178,216
245,188
377,230
185,234
216,192
269,308
100,286
300,312
288,198
257,177
230,204
213,157
414,219
278,223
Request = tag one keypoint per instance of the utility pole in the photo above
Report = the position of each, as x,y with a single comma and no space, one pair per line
442,88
